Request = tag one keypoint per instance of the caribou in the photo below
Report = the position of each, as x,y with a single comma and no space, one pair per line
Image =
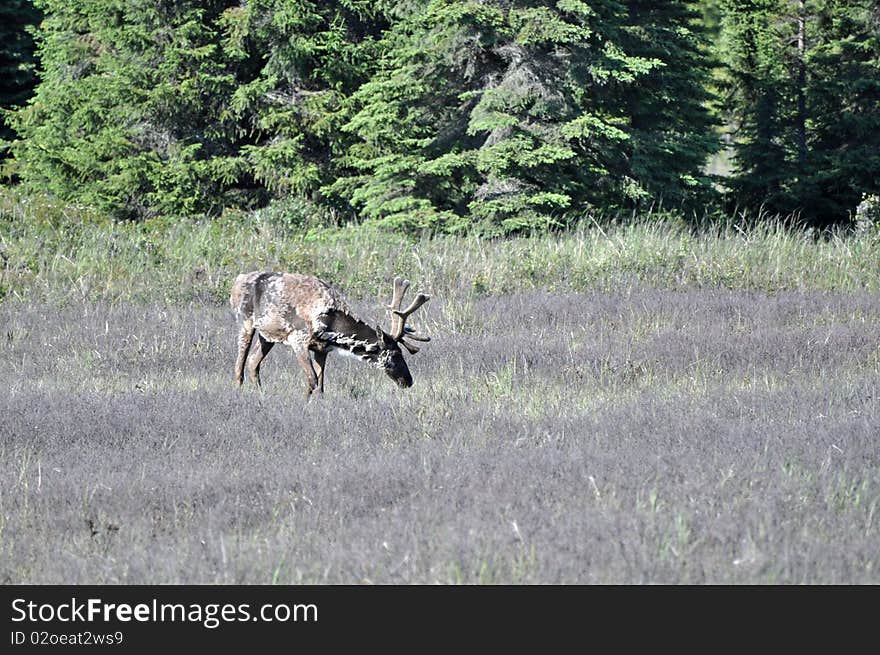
313,318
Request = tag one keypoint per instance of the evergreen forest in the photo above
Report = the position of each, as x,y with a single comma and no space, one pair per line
495,117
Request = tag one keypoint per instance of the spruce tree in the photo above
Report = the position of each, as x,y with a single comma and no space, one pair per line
17,65
189,106
517,115
844,104
500,114
296,64
130,115
761,103
805,102
672,132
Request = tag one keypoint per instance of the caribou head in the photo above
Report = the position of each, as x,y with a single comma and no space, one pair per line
389,356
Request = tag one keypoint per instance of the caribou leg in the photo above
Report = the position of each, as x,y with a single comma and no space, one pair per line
245,336
259,349
305,363
320,358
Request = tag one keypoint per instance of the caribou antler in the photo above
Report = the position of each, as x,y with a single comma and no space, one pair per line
400,287
399,329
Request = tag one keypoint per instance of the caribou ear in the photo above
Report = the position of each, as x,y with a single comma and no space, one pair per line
411,348
381,336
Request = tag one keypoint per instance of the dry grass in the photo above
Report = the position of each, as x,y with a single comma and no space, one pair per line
638,435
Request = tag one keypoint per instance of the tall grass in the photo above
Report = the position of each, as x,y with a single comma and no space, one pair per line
60,253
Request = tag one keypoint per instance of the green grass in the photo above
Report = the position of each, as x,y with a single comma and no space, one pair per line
59,253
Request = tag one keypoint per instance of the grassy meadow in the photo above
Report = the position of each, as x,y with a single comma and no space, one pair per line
619,403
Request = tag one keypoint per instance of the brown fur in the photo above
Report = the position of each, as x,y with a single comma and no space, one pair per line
313,318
